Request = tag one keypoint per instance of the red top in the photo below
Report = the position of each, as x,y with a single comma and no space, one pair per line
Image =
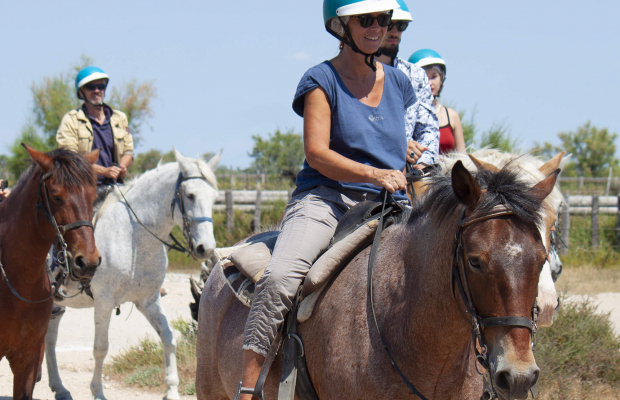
446,137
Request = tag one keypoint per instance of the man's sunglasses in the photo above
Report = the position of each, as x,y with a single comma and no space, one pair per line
400,25
91,86
367,20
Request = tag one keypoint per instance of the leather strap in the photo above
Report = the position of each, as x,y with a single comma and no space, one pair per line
507,321
77,224
264,371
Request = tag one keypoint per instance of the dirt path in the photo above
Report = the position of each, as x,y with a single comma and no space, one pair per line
75,346
75,340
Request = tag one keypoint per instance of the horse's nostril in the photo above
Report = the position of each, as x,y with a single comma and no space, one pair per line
79,261
200,250
99,261
504,381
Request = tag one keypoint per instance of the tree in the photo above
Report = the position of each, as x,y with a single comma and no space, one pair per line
54,96
469,128
498,137
593,150
280,154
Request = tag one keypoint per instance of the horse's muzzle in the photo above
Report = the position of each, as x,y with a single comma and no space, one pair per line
201,252
511,384
85,267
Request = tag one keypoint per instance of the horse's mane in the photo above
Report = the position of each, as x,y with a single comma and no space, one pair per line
504,187
203,167
69,170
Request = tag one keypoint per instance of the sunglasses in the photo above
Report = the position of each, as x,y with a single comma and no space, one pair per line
91,86
400,25
367,20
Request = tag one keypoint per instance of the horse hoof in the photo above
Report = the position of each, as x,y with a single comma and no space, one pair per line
172,396
63,396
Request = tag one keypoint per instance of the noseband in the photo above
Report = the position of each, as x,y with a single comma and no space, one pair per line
479,323
43,204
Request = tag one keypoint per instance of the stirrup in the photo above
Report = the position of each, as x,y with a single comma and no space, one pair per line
243,390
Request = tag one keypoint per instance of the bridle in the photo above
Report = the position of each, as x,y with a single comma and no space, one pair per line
478,323
43,205
187,222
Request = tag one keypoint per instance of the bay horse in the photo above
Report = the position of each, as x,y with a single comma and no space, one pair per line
50,204
135,260
420,313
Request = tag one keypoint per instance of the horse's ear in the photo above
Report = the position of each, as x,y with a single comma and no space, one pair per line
181,160
93,156
483,165
543,188
553,164
44,161
465,186
215,160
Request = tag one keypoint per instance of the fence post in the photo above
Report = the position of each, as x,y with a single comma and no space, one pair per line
257,208
566,225
618,221
230,214
595,238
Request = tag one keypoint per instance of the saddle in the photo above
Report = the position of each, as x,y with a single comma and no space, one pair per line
355,231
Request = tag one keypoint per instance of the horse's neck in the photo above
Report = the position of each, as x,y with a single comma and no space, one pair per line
20,233
432,323
150,198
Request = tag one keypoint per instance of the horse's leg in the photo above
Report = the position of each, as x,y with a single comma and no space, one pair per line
25,369
103,313
155,315
50,356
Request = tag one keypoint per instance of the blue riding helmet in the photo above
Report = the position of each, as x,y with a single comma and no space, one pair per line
402,13
87,75
342,8
425,57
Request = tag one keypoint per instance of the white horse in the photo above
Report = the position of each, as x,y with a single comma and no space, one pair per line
533,170
134,262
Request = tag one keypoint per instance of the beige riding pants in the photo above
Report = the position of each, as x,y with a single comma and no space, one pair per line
308,225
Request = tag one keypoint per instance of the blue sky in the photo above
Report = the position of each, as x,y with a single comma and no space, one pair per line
228,70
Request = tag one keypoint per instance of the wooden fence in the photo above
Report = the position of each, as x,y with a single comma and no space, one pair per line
594,205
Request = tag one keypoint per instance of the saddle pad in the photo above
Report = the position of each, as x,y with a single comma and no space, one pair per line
242,287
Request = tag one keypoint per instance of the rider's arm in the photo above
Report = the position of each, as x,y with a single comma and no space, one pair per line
457,128
425,127
67,134
317,127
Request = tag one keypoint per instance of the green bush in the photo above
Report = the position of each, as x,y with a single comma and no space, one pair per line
580,245
579,353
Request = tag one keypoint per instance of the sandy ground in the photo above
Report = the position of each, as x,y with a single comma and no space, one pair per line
75,346
77,330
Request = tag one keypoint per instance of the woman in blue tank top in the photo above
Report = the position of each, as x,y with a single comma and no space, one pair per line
355,144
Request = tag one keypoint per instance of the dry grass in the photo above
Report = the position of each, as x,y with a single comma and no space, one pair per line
589,280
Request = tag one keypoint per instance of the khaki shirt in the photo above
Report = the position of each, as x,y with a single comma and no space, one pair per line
76,133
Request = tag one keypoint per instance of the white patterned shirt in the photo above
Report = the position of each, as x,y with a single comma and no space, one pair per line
421,122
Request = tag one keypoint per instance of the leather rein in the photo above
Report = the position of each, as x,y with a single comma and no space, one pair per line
187,222
43,204
458,275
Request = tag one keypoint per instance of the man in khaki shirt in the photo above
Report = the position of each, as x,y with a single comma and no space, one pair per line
96,125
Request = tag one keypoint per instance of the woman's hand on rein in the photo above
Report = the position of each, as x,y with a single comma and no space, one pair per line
391,180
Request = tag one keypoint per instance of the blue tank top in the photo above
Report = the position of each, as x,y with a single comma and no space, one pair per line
374,136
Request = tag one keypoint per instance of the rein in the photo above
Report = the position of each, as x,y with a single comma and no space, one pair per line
187,222
43,204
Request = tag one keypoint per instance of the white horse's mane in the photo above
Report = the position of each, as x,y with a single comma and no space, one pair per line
115,196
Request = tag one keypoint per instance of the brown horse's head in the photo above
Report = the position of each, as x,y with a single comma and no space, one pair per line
502,258
72,189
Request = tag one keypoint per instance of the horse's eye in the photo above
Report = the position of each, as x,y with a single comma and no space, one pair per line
191,197
474,262
56,199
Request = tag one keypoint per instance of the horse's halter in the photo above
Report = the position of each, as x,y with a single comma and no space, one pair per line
478,323
187,222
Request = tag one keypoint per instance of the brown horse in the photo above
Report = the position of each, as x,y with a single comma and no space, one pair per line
420,312
60,185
